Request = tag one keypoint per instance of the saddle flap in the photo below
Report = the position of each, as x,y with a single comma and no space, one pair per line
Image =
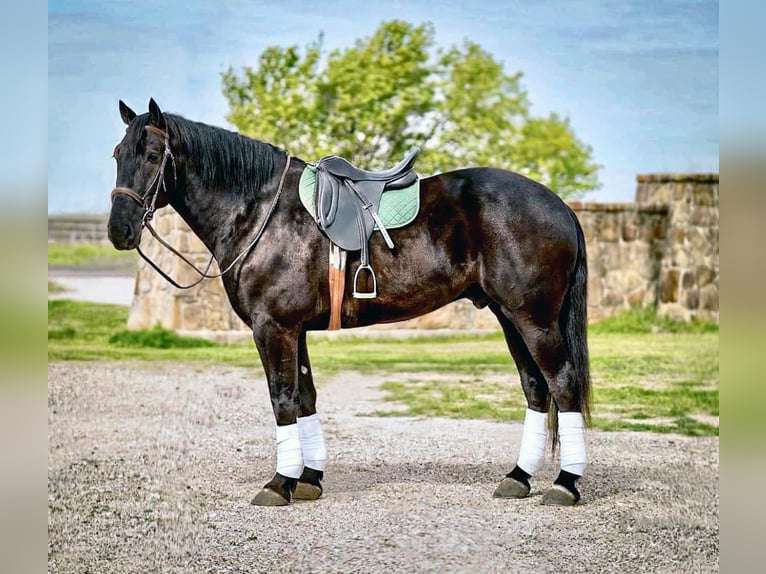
340,214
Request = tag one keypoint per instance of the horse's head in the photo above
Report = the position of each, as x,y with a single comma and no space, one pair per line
145,171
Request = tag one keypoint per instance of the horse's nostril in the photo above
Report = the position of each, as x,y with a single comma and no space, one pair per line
129,234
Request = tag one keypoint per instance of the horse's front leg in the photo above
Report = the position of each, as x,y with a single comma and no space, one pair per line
310,429
278,349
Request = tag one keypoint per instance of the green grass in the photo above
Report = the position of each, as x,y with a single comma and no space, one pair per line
91,323
82,331
157,338
645,320
460,398
664,379
660,382
461,354
54,287
90,255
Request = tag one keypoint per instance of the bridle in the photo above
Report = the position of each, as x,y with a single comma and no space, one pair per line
148,202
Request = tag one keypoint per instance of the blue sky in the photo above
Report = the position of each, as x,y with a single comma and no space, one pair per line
637,79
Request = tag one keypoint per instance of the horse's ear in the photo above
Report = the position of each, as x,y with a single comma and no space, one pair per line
126,113
155,115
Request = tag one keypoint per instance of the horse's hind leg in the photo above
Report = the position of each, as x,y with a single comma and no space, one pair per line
312,440
548,348
534,436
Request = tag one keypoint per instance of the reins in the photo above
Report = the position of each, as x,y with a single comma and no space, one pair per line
158,183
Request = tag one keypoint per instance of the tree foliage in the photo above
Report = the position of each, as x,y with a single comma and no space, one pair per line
393,90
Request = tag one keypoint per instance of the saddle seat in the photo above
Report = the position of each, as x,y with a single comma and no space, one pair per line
347,199
341,167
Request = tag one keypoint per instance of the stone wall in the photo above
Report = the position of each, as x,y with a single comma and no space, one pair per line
689,268
661,250
204,307
624,242
85,227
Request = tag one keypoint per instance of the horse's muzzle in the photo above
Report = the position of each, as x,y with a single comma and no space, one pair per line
124,227
123,237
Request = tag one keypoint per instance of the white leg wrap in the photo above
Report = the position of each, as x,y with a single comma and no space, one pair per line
572,437
312,442
289,457
533,439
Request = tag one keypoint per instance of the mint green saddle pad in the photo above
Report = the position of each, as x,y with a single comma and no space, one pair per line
398,207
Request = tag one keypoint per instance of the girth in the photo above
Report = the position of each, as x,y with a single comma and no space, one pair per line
347,200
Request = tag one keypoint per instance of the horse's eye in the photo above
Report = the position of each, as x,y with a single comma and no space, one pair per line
153,157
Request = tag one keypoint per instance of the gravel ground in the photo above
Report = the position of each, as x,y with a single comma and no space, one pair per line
152,468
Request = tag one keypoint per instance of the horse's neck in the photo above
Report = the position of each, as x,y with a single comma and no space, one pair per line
223,220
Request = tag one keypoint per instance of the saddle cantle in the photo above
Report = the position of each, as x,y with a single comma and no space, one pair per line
347,200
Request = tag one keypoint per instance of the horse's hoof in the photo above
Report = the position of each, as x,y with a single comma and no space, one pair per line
511,488
306,491
267,497
557,495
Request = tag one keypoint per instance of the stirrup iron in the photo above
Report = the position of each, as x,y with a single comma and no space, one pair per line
362,294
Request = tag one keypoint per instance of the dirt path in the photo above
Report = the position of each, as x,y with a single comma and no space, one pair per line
152,468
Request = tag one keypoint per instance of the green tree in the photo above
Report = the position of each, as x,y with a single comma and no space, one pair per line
393,90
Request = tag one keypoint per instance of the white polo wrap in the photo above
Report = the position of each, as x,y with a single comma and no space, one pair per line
312,442
572,439
289,457
533,439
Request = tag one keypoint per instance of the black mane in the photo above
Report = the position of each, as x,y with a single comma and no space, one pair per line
220,158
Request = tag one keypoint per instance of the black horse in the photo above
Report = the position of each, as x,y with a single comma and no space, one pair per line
492,236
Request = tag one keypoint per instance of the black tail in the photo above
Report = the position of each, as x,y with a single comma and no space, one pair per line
573,321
